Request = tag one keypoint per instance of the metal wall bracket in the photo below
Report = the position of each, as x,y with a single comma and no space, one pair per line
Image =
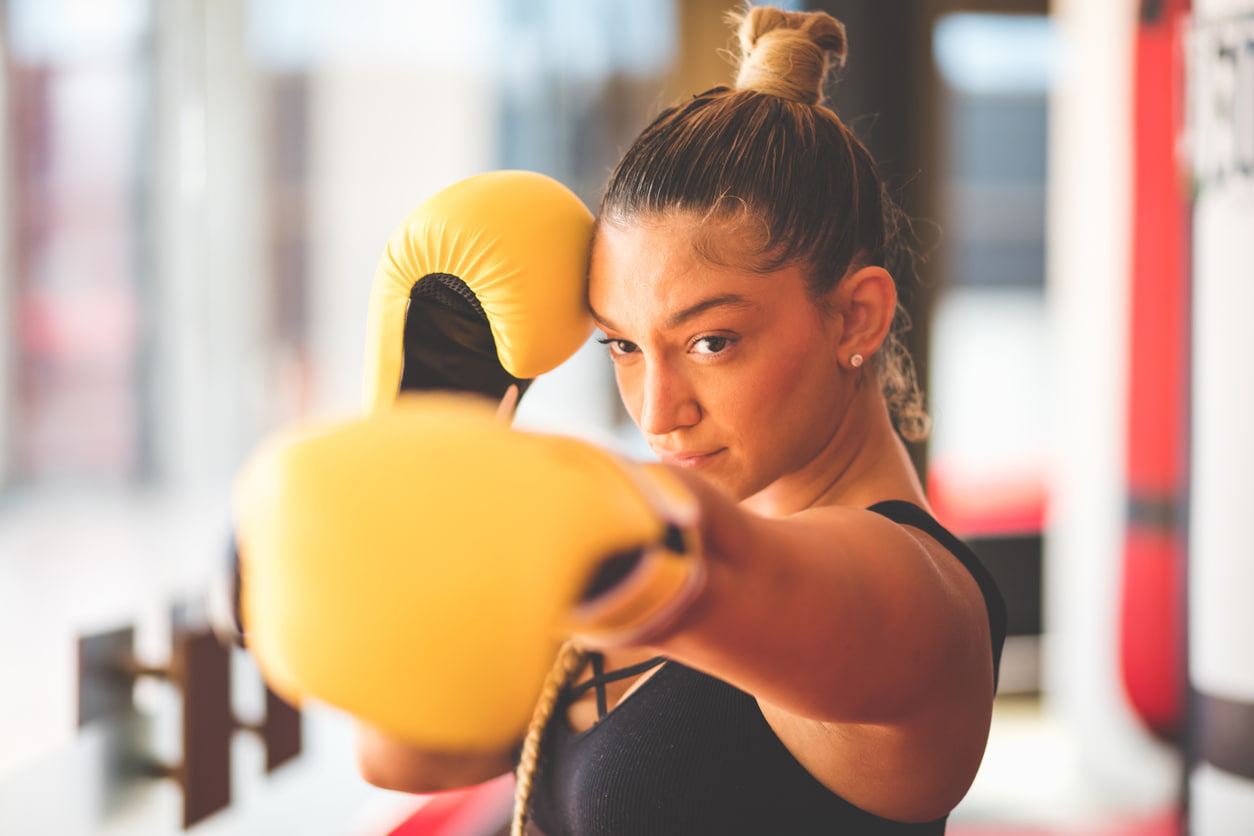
200,669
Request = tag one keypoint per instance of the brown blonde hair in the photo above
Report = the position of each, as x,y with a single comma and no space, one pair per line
568,662
768,153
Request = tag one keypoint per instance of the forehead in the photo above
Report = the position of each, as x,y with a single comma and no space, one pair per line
663,263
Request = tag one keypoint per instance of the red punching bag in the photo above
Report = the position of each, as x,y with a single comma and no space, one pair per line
1152,606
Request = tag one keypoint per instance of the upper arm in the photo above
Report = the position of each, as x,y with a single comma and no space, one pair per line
865,642
914,756
836,614
394,765
925,633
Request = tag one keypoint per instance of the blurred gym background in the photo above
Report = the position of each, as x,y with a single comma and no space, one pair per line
193,197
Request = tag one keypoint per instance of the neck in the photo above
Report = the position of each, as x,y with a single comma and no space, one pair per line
863,462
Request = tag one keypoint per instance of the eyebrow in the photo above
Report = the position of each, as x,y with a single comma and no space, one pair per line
732,300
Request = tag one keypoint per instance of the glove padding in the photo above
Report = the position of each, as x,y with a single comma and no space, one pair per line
482,286
420,567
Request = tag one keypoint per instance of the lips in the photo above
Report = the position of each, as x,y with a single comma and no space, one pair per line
689,458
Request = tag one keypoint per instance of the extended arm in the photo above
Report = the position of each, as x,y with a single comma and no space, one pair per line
865,643
836,613
441,631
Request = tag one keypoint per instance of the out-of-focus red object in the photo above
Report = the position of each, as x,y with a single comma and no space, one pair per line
1005,505
475,811
1151,613
1164,824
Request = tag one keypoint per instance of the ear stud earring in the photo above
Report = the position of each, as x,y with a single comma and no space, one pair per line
855,360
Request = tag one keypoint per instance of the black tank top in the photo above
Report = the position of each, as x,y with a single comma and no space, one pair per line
689,754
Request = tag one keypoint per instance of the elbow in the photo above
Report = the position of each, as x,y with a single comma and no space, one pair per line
395,770
383,779
421,779
392,765
386,775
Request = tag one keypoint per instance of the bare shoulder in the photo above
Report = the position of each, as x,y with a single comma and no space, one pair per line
916,760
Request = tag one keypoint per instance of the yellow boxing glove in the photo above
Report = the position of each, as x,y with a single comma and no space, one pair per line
419,568
482,286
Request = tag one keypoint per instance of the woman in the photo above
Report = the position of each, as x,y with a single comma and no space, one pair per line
837,673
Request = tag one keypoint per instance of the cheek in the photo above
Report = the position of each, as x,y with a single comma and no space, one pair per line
795,395
787,373
629,391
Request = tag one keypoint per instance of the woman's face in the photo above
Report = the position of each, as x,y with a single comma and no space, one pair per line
726,371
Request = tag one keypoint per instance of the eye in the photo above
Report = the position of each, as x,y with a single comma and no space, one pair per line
618,347
711,345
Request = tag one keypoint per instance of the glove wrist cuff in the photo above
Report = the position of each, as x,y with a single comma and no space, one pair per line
663,579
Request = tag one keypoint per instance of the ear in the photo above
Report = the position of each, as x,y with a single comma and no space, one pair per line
867,302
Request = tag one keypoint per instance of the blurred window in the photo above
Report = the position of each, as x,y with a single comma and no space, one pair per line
578,82
989,375
78,80
169,165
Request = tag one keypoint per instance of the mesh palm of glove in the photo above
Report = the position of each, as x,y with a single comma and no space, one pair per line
419,568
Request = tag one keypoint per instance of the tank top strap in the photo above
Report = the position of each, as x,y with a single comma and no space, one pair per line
907,513
600,678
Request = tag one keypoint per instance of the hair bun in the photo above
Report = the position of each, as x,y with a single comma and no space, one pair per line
788,54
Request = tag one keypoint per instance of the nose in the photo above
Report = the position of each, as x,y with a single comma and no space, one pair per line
668,402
